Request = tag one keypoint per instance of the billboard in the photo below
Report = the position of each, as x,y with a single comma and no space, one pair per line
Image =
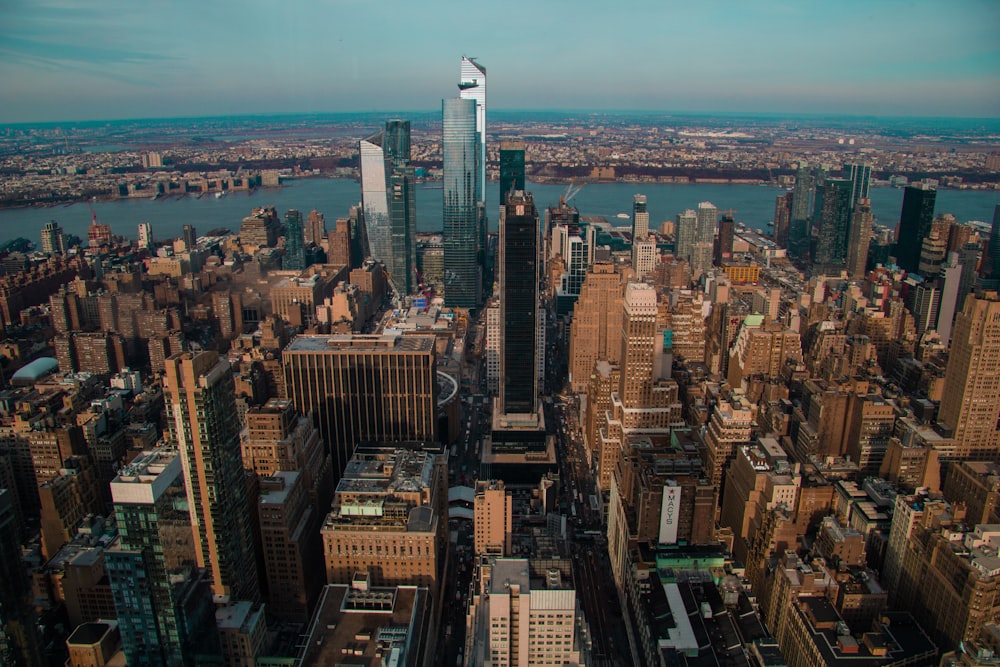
669,514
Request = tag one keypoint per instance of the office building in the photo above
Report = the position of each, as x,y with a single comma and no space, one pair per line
640,218
242,632
374,197
832,218
167,604
595,331
93,644
762,348
861,236
260,229
363,388
387,519
970,404
315,229
782,218
374,625
724,244
492,518
708,217
990,272
288,524
462,267
190,237
685,233
915,220
204,427
295,251
525,613
53,239
519,305
860,176
145,235
511,168
730,425
472,86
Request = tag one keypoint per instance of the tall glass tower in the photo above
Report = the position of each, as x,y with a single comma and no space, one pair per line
389,199
519,276
461,206
511,168
914,224
295,252
472,86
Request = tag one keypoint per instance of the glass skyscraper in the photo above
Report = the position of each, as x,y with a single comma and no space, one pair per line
914,224
389,200
295,252
511,168
472,86
519,276
462,269
832,216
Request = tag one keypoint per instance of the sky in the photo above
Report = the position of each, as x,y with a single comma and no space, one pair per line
64,60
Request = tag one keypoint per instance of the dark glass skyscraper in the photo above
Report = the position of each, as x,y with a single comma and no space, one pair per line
832,216
860,176
295,252
511,168
462,270
914,224
990,274
519,275
397,141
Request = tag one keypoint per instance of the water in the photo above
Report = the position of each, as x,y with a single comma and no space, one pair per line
752,204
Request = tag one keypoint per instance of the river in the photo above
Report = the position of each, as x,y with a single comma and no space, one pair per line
752,204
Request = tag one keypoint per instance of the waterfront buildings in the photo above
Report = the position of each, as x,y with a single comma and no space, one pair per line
462,267
204,427
295,252
53,239
363,388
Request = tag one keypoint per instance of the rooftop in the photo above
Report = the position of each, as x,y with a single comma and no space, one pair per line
345,342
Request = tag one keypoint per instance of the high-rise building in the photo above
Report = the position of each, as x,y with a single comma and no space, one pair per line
295,251
53,239
708,218
519,305
363,388
261,228
782,218
640,218
915,221
832,217
990,272
472,86
374,198
861,236
167,604
511,168
397,141
315,230
190,237
860,176
146,235
493,518
970,403
462,268
724,246
403,227
685,233
387,518
525,613
204,426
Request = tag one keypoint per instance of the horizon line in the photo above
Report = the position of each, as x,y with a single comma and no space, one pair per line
778,115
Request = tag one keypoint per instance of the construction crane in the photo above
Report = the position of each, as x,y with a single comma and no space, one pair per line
571,191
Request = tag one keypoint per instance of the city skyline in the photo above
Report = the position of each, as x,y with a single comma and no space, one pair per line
65,62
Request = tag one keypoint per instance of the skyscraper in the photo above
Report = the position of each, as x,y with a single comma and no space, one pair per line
685,233
511,168
315,231
363,388
373,198
295,252
463,272
146,235
204,426
861,235
190,237
724,247
860,176
708,217
915,221
472,86
642,250
970,403
990,273
390,202
166,603
53,240
832,217
519,277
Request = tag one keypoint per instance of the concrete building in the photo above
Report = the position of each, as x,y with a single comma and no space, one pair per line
523,616
595,331
493,518
387,519
204,426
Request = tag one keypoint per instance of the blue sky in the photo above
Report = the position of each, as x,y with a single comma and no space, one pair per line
78,60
